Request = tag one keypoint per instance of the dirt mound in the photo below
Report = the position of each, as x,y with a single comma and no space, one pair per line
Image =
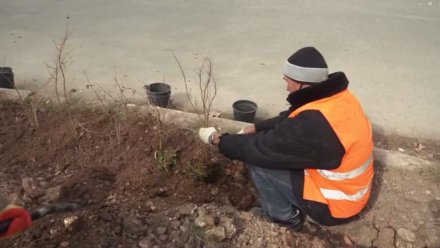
134,191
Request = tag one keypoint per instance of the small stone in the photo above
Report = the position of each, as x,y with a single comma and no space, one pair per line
228,224
150,206
406,235
428,192
401,149
239,178
364,235
72,223
246,201
183,228
65,244
159,192
13,198
145,243
163,237
348,241
132,224
52,194
385,238
218,233
30,187
247,216
161,230
200,222
186,210
214,191
204,219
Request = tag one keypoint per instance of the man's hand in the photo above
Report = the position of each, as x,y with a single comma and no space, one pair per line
247,130
206,134
20,220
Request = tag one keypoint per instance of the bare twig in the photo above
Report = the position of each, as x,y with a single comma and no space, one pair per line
58,70
90,86
207,88
188,94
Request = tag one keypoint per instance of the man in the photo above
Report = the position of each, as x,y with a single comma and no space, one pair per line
315,158
20,219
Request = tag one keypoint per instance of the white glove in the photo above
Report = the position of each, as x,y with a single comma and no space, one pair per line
206,134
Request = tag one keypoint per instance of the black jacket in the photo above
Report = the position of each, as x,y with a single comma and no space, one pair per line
305,141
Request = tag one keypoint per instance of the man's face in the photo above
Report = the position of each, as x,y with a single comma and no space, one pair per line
291,85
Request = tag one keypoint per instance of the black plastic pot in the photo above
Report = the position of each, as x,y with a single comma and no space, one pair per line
244,110
6,78
158,94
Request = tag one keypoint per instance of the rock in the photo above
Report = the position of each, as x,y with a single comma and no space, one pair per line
184,228
161,230
145,243
214,191
318,243
186,210
72,223
104,215
217,233
65,244
429,234
150,206
246,216
133,225
350,243
175,224
402,244
204,220
163,237
246,201
30,187
239,178
14,198
385,238
228,224
406,235
159,192
52,194
364,235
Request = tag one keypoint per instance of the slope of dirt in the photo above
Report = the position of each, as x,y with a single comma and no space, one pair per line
132,193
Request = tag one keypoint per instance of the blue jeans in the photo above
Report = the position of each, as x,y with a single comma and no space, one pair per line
275,193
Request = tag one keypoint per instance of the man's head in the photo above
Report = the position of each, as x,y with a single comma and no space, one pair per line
306,67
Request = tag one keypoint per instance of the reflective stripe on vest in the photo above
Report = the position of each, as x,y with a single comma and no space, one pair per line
339,195
338,176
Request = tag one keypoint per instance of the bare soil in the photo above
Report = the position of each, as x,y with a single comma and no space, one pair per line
133,192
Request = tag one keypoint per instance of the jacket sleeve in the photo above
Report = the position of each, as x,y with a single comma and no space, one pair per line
306,141
271,122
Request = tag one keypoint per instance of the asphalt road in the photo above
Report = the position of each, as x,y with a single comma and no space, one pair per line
388,49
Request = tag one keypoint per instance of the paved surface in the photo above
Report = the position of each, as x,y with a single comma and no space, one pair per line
388,49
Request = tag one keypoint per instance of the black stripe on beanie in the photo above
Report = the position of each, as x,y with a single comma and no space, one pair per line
308,57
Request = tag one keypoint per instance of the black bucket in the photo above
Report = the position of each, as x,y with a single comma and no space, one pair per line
6,78
158,94
244,110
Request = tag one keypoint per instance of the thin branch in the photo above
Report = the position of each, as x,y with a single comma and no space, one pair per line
188,94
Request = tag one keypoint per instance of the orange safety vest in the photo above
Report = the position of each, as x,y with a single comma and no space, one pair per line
347,188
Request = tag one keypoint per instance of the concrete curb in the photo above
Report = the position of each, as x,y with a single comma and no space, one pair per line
13,95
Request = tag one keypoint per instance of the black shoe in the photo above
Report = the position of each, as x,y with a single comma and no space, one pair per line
295,224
